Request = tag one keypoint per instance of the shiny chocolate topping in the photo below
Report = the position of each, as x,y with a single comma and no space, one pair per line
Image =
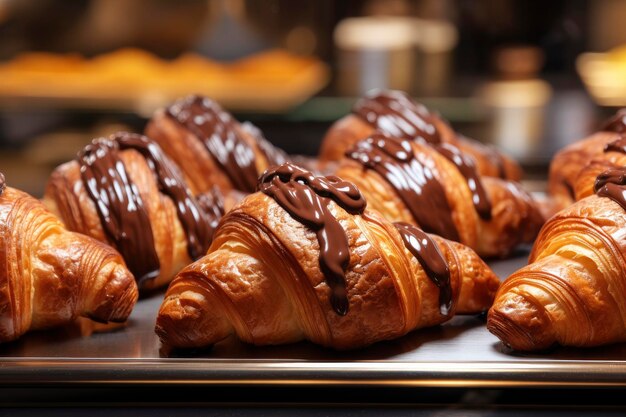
397,114
467,167
121,209
198,222
618,145
426,251
219,132
612,184
306,198
617,123
414,182
3,184
119,205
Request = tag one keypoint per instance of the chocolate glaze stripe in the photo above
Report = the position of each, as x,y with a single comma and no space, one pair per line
397,114
306,197
467,167
197,222
618,145
415,183
3,184
218,131
426,251
612,184
119,205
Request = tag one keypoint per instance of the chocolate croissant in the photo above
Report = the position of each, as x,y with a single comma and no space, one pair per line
396,114
51,276
439,189
603,148
304,259
211,147
573,292
124,191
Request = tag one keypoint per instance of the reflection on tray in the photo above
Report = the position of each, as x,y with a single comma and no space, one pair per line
233,348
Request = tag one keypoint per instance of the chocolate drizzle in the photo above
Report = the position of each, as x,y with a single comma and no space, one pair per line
198,223
119,205
3,184
398,115
218,131
306,198
618,145
612,184
426,251
415,183
121,209
617,123
467,167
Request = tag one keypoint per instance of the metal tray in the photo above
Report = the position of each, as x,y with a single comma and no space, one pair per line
460,353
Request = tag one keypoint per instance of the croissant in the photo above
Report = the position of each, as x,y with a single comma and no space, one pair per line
439,189
573,292
124,191
397,114
601,148
304,259
211,147
51,276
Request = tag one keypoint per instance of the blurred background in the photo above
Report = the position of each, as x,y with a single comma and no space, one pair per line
529,76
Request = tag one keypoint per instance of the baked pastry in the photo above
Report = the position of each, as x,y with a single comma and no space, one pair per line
51,276
439,189
573,292
603,147
397,114
211,147
124,191
304,259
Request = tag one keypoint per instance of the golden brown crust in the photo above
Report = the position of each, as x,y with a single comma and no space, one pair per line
515,217
67,197
50,276
347,131
342,135
567,164
572,292
261,280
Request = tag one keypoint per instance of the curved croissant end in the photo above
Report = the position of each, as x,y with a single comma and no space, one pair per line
572,292
51,276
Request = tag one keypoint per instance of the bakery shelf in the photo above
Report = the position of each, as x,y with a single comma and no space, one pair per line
136,81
